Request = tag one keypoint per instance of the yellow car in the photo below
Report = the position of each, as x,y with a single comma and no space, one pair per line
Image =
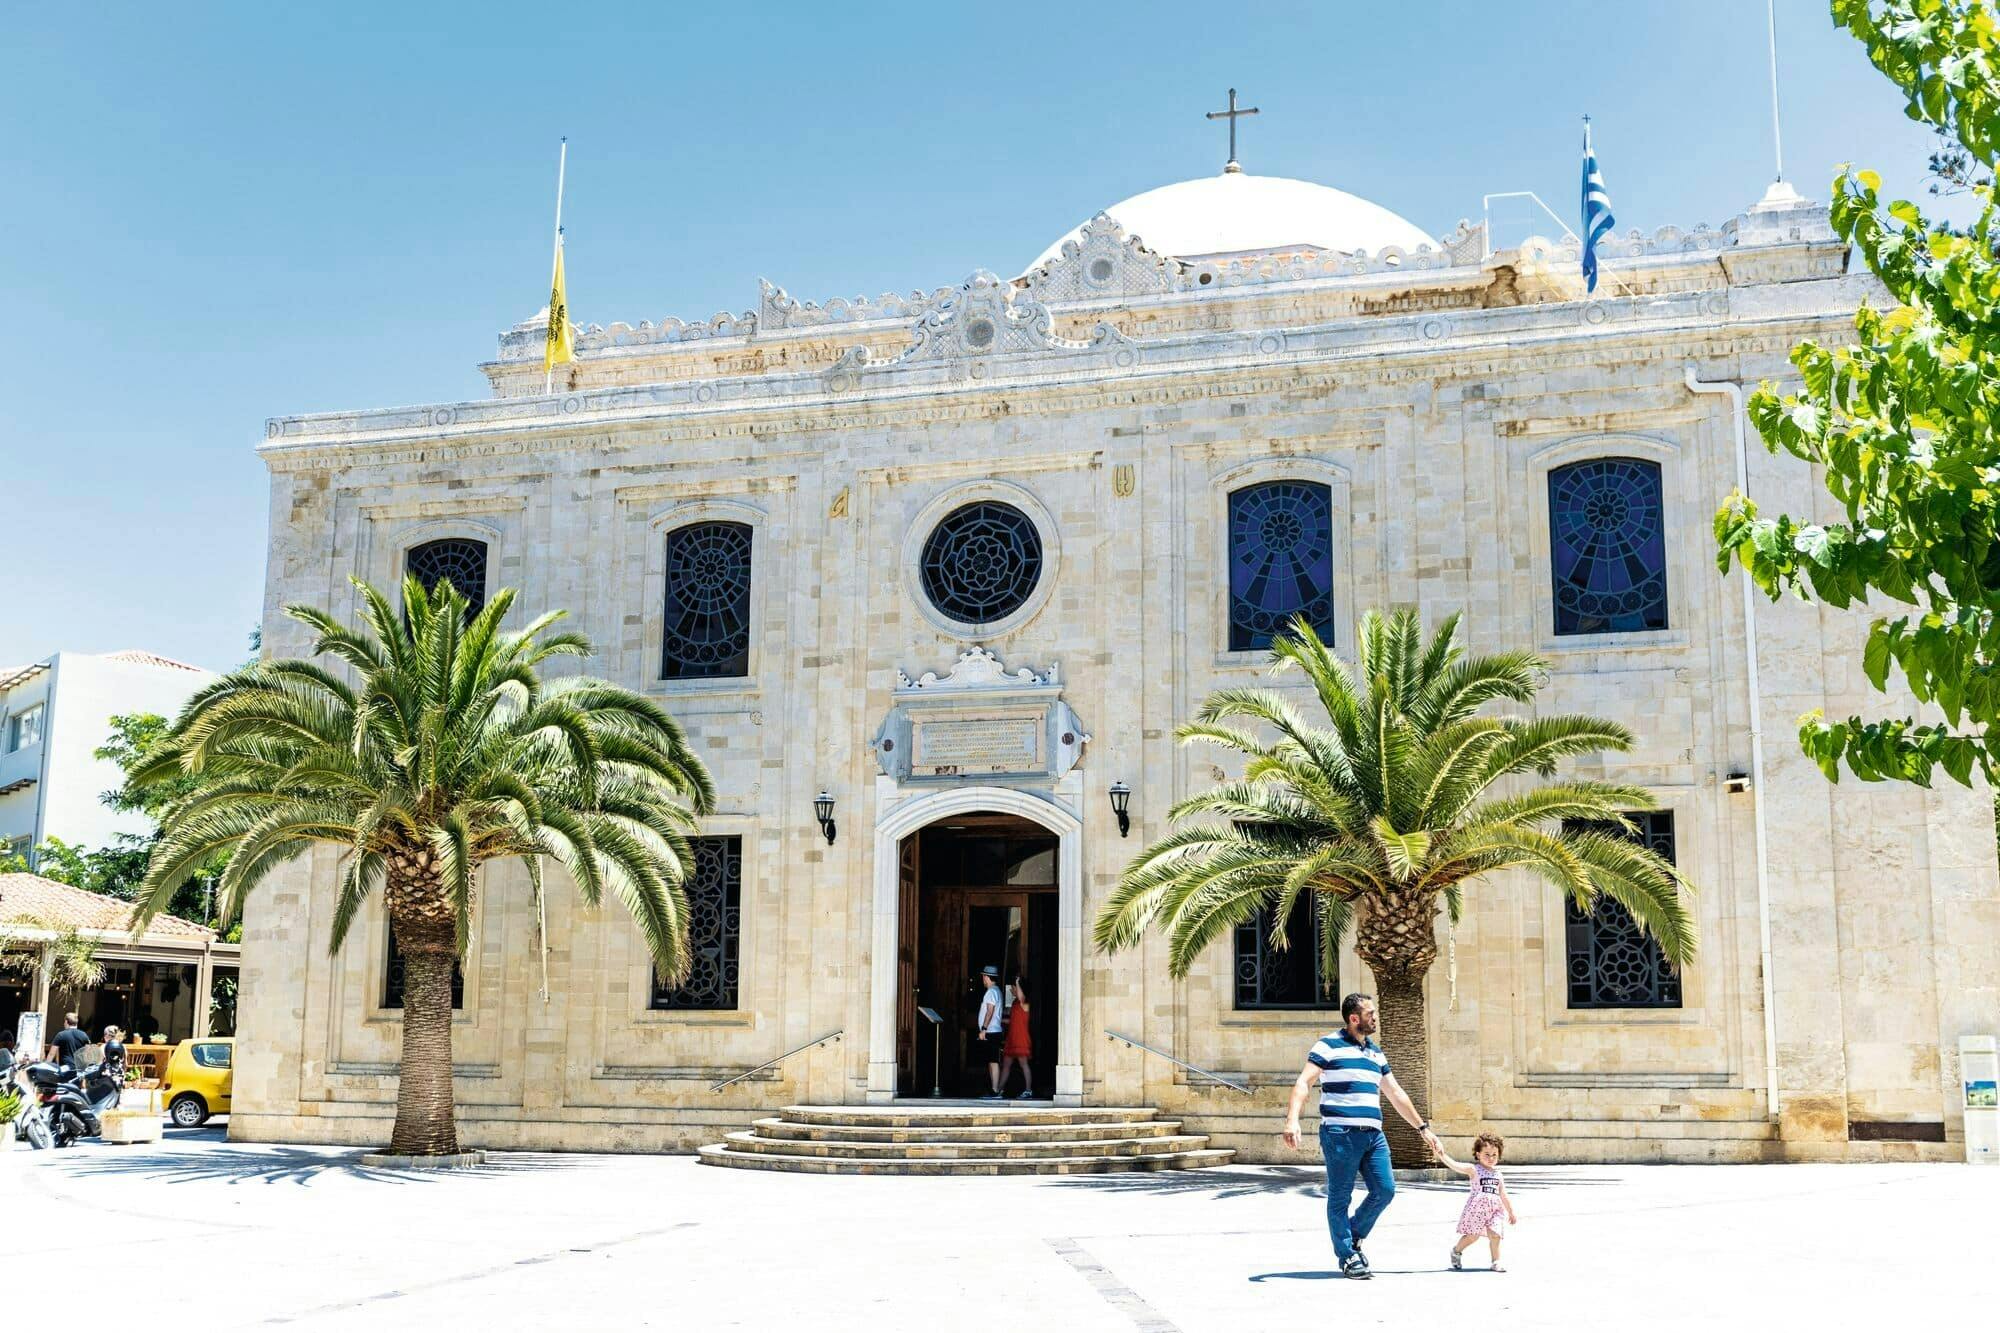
198,1078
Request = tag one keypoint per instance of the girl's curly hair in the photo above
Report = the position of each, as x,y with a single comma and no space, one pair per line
1498,1144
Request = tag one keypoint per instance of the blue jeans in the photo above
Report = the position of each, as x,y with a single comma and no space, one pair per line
1351,1152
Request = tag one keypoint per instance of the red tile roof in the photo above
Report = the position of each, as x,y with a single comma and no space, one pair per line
30,897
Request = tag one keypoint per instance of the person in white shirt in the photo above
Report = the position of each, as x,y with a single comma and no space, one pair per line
992,1018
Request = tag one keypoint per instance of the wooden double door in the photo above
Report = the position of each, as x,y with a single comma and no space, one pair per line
976,892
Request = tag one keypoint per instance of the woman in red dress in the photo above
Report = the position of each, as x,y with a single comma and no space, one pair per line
1017,1048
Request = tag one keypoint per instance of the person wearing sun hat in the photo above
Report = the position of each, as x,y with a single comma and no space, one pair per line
992,1018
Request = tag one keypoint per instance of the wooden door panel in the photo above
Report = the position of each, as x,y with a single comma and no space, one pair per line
907,938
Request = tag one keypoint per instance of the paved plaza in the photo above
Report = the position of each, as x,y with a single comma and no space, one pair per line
308,1238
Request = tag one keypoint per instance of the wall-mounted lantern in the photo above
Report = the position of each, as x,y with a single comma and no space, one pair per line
1121,802
823,812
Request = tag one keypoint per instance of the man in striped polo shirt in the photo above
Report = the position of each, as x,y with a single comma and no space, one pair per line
1353,1077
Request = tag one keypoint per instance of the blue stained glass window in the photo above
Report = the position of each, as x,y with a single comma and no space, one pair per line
1608,546
708,602
1280,561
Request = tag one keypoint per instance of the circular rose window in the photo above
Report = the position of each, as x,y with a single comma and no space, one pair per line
981,563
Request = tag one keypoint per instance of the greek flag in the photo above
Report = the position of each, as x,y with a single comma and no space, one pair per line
1597,219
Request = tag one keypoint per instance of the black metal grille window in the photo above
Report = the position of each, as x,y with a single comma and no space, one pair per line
392,978
1280,561
461,560
1288,978
981,563
708,602
1608,546
715,919
1610,962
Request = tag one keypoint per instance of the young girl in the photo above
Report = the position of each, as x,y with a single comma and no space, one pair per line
1489,1199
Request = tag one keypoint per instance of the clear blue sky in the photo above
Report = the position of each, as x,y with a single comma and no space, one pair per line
211,214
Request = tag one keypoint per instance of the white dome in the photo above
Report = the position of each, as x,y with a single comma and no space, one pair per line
1234,213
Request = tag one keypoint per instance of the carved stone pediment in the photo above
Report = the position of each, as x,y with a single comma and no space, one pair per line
978,669
979,721
1103,262
984,316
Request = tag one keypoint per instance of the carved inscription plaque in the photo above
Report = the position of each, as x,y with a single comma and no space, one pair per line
952,747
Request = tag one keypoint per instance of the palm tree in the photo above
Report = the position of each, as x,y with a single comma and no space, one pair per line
1388,812
447,751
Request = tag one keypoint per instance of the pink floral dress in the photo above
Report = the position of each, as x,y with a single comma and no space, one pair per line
1483,1210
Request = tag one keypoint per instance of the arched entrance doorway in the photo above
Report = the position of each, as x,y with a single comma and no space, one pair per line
975,891
1003,887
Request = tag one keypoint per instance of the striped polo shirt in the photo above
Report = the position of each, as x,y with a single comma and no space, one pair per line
1350,1081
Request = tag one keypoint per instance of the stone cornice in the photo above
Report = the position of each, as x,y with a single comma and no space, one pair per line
1061,377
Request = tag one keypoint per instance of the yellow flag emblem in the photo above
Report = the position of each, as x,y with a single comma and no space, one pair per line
561,347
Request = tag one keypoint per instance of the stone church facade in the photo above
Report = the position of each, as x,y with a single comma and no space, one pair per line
958,562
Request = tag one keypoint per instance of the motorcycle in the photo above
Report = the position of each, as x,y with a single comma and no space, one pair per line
29,1124
70,1103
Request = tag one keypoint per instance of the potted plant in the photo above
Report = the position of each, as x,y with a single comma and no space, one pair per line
10,1106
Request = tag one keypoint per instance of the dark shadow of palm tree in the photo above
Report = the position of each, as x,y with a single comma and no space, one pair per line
1520,1180
1236,1183
1303,1181
294,1166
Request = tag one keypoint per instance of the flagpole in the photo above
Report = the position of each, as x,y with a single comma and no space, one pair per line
562,164
1777,138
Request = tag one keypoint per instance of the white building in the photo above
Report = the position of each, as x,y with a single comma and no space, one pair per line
54,714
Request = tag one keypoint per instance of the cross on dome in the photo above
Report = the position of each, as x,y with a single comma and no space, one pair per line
1231,116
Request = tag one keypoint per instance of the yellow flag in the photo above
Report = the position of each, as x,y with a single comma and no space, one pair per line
561,346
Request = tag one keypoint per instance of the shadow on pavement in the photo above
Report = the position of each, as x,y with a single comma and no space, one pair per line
1234,1184
1305,1181
1310,1275
298,1166
1519,1181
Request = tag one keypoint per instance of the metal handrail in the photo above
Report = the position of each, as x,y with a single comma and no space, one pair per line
818,1041
1192,1069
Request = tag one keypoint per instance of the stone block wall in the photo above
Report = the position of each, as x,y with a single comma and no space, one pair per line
1884,914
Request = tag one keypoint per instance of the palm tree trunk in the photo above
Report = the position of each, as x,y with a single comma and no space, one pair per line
1396,937
427,936
1406,1040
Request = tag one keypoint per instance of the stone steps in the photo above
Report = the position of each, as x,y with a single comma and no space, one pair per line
912,1152
779,1128
980,1138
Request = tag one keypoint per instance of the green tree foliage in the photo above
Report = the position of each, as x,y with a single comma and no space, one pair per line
119,870
440,749
1384,814
1901,422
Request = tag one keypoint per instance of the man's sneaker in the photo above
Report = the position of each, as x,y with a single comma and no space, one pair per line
1357,1250
1355,1267
1457,1261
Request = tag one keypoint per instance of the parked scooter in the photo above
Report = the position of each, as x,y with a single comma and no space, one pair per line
30,1126
72,1103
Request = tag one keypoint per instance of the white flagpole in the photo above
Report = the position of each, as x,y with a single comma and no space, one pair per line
1777,138
562,164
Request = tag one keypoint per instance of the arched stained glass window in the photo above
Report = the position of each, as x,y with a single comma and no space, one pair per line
1280,561
460,560
981,562
1608,546
708,602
